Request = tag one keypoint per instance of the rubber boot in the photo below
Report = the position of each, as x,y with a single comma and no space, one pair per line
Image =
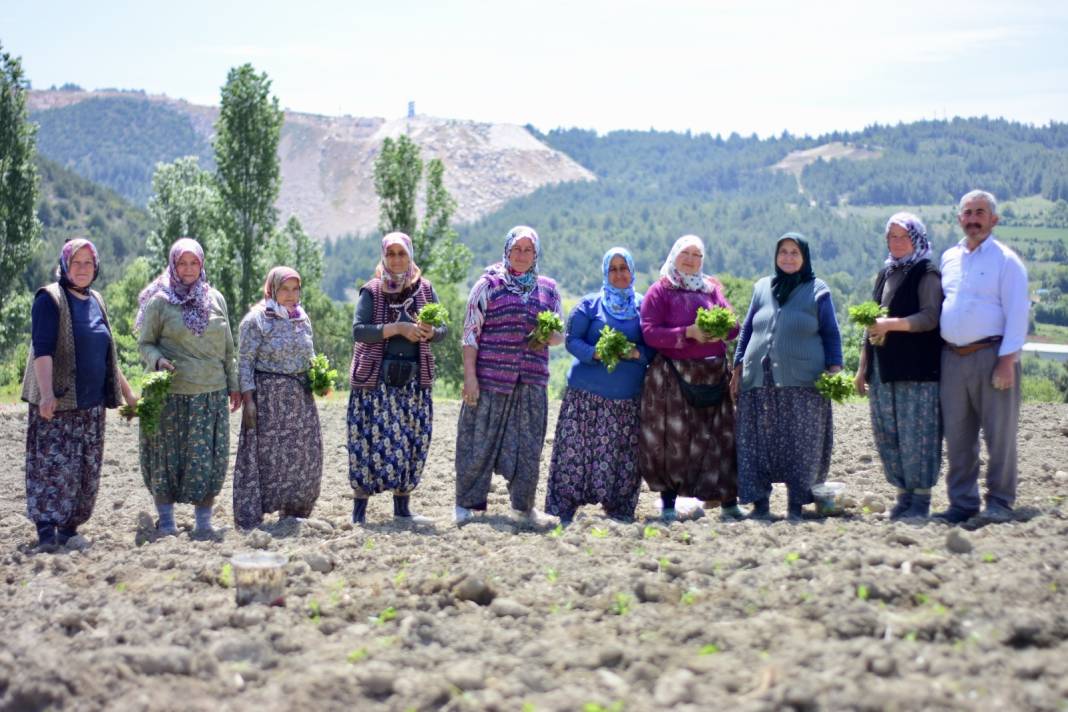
359,510
667,506
761,510
904,501
46,534
65,534
920,508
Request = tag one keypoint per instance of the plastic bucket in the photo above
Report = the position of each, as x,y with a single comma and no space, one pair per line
259,577
829,496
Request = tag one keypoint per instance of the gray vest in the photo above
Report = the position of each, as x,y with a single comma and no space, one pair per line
789,335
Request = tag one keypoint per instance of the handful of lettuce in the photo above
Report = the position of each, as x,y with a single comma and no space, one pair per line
716,322
154,390
320,376
548,324
434,314
837,387
866,313
611,347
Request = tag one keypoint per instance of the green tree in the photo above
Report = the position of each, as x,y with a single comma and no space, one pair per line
246,155
398,170
20,229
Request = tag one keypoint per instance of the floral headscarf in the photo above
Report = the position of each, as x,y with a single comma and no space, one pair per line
521,283
699,282
194,299
921,246
395,283
620,303
783,284
274,280
63,268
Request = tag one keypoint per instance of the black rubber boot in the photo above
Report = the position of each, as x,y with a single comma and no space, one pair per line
794,508
46,534
920,508
904,501
64,534
359,510
400,506
761,510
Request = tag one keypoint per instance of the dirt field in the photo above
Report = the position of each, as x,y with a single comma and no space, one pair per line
849,612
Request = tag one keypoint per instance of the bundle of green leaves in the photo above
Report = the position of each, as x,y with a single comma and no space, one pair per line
866,313
717,322
838,387
434,314
154,390
611,347
320,376
549,322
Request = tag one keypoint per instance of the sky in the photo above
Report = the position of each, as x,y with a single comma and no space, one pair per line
701,65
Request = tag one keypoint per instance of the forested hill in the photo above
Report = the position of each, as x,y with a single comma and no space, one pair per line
741,193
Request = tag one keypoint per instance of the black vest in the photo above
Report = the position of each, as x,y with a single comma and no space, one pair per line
906,356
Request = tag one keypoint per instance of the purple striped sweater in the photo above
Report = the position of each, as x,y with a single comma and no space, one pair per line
366,368
503,356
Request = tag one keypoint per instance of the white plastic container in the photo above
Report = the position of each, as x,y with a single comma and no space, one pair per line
259,577
829,497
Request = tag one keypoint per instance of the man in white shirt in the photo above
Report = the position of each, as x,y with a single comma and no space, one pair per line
984,325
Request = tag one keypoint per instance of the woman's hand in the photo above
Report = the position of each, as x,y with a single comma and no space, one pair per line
235,401
633,355
833,369
410,331
470,392
164,365
426,331
46,408
693,331
248,411
861,383
736,383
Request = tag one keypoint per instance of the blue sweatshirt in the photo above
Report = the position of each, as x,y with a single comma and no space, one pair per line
583,330
92,341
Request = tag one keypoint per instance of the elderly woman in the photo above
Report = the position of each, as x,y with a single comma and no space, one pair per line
901,363
390,406
184,328
595,455
281,471
687,448
506,373
72,375
789,338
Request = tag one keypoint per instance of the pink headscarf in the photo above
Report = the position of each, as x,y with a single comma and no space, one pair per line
194,298
274,280
63,269
394,283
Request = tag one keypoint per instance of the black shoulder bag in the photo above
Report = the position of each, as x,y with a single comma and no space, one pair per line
699,395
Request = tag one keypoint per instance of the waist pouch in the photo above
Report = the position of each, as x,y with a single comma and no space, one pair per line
397,372
698,395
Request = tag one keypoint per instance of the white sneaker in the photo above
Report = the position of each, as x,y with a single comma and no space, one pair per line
532,517
462,515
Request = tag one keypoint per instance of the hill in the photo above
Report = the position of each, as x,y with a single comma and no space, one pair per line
117,138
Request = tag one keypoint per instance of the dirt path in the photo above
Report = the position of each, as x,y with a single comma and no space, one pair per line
848,612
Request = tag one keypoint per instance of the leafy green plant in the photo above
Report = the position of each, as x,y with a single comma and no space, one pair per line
688,597
357,655
552,575
792,557
650,532
710,649
154,390
557,531
598,532
369,544
549,322
226,576
386,615
717,322
865,313
434,314
621,604
863,592
836,387
321,377
611,347
314,611
989,557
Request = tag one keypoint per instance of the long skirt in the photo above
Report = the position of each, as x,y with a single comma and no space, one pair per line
595,455
63,458
784,435
185,459
906,421
389,437
279,462
687,450
503,433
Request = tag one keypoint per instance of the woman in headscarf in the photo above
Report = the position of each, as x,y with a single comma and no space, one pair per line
391,410
789,338
686,450
595,451
280,451
506,373
184,328
901,363
72,375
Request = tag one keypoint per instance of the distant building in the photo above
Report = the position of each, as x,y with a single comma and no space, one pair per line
411,109
1054,352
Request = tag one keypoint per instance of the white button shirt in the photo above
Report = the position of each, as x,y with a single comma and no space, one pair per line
985,295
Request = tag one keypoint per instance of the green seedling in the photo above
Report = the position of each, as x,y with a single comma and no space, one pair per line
226,576
357,655
551,574
314,611
688,598
120,587
621,604
386,615
792,557
650,532
598,533
989,558
557,531
710,649
400,577
369,544
863,592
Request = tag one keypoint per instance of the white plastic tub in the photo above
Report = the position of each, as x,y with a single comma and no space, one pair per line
259,577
